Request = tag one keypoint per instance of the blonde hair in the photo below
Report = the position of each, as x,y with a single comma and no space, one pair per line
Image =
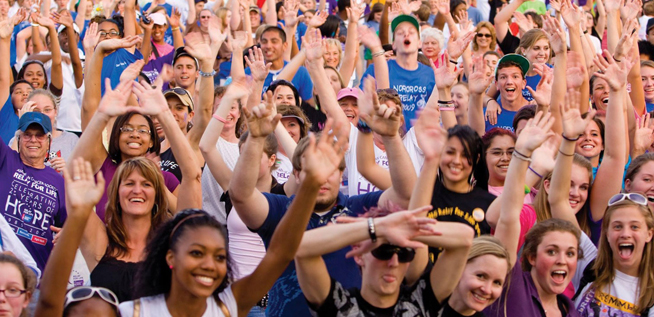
604,268
529,39
491,29
337,44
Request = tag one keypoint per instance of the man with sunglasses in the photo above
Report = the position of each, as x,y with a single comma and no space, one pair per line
32,195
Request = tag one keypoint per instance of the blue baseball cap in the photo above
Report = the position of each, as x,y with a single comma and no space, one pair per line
35,118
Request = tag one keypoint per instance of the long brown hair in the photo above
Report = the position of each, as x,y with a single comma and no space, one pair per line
535,237
117,244
604,268
542,206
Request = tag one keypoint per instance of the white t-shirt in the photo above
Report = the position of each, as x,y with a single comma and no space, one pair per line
619,300
357,184
245,247
155,306
211,191
70,102
284,168
415,153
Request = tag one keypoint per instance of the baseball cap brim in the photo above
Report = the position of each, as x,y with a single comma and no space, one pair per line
294,116
522,61
184,98
405,18
62,27
37,118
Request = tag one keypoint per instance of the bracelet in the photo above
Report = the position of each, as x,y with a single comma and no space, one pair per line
175,28
569,139
586,32
521,156
380,53
219,118
363,127
487,101
446,108
36,24
203,74
449,102
371,230
454,62
617,60
534,171
565,154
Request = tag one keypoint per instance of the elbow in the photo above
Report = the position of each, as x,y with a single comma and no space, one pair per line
467,236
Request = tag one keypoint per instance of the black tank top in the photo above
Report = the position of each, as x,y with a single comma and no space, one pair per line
118,276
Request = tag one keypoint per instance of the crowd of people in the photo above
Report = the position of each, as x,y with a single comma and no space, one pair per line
327,158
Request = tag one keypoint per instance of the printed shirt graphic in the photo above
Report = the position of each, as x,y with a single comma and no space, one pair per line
413,86
357,184
31,200
616,301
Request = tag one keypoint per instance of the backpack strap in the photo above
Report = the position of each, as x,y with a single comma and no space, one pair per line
587,278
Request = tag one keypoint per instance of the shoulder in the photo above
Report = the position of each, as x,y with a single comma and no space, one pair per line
148,306
228,299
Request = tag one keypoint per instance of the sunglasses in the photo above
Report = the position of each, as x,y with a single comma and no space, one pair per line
177,90
484,35
386,251
635,197
85,292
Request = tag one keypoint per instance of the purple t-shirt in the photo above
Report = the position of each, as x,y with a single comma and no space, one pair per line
153,68
32,199
108,170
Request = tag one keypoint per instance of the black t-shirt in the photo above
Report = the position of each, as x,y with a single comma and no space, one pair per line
168,163
510,43
469,208
413,301
315,115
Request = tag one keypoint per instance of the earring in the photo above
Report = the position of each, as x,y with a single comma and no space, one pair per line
170,266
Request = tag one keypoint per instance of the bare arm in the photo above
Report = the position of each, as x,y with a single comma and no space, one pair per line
557,40
6,29
366,165
81,14
351,43
477,84
503,18
271,16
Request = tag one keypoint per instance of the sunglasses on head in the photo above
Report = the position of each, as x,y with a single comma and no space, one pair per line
179,91
484,35
635,197
82,293
386,251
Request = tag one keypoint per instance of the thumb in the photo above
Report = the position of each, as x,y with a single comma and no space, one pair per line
55,229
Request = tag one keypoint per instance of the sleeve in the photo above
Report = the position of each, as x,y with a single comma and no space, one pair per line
227,297
589,252
127,308
171,181
359,204
328,307
303,82
6,113
11,243
370,71
527,220
508,45
277,206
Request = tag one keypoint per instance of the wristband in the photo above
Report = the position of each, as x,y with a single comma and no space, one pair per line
454,62
36,24
371,230
449,102
363,127
219,118
521,156
175,28
446,108
569,139
534,171
565,154
617,60
380,53
203,74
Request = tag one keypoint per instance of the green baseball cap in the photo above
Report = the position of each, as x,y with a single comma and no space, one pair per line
522,61
405,18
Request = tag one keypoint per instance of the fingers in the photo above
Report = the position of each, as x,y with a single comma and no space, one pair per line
420,210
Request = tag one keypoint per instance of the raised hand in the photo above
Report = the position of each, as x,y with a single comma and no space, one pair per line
443,7
465,22
355,12
313,44
289,12
369,38
83,188
6,28
555,33
399,228
261,123
132,71
537,131
114,44
198,47
43,21
394,11
523,23
146,26
114,101
479,77
239,89
92,36
239,41
216,35
543,93
318,19
151,100
259,69
543,158
573,124
570,14
626,40
382,119
613,72
174,18
27,107
456,47
430,135
644,136
612,5
63,18
556,5
575,72
630,10
322,157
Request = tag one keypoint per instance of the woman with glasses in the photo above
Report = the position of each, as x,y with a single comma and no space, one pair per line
485,39
17,283
138,197
82,193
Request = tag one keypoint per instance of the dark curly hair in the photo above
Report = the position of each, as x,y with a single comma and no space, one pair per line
154,276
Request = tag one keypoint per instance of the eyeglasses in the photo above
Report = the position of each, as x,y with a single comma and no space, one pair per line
635,197
85,292
13,292
130,130
499,153
110,33
486,35
37,136
205,17
386,251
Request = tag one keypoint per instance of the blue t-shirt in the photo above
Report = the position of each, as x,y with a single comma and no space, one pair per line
8,121
475,15
31,200
114,64
286,298
649,107
301,81
413,86
12,50
504,119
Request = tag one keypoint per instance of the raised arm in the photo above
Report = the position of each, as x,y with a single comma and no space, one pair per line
534,134
192,15
370,40
477,84
6,30
572,17
503,18
270,16
289,12
57,79
615,148
557,38
67,20
366,165
82,194
350,56
386,121
319,161
248,201
175,26
81,13
129,18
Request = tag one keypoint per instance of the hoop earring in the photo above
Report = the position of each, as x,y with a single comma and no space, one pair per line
155,210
